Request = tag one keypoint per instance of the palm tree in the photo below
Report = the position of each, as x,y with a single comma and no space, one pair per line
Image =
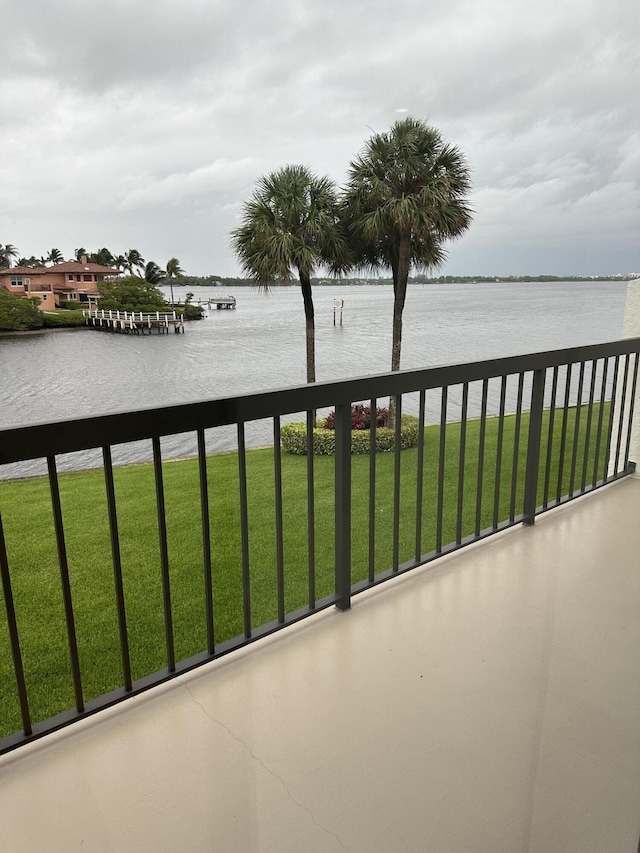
102,256
133,258
152,273
406,195
80,253
31,262
7,253
290,225
55,257
173,271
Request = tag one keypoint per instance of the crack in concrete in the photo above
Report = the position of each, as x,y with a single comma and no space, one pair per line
267,769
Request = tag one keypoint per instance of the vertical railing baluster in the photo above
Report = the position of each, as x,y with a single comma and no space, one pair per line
420,475
623,403
516,449
373,432
14,637
311,512
277,476
65,582
612,411
498,483
481,442
164,554
550,437
396,484
563,433
206,541
461,461
587,436
244,530
533,447
117,567
601,408
343,506
441,468
632,400
576,430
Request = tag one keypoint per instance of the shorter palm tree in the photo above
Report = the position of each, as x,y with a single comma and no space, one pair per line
290,225
152,273
8,252
133,258
55,256
174,270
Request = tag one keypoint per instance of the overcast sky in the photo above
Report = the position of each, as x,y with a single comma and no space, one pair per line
144,123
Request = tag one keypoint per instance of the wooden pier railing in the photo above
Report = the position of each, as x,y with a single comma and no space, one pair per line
134,322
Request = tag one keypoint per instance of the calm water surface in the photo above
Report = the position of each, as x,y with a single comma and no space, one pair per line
261,346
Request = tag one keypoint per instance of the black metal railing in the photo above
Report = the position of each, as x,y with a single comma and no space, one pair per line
497,442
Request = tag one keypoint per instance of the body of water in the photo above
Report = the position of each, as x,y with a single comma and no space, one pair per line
261,346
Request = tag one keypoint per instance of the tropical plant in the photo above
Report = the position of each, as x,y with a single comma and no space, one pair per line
173,271
152,273
130,294
406,195
80,254
360,417
7,254
18,313
102,256
55,256
31,262
133,258
290,225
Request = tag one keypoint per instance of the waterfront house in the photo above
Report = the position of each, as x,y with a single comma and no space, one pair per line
71,281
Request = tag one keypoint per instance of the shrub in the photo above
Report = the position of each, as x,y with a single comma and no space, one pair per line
17,313
294,438
63,319
191,312
360,418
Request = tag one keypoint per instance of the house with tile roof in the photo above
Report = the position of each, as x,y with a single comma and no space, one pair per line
71,281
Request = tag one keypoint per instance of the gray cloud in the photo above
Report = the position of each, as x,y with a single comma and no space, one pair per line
145,123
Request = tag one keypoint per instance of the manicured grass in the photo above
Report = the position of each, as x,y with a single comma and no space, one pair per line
28,523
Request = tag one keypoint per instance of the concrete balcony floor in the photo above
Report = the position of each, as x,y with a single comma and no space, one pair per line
488,703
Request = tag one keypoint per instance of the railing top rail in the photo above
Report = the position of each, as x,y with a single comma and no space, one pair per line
65,436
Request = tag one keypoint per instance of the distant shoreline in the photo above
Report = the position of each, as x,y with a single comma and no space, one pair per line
225,283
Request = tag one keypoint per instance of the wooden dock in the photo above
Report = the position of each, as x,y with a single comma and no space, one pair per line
220,302
134,322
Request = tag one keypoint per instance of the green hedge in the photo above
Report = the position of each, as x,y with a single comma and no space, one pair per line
294,438
63,318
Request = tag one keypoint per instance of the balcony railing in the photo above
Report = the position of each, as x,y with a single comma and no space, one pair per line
498,442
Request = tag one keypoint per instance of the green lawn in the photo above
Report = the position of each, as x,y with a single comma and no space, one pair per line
27,517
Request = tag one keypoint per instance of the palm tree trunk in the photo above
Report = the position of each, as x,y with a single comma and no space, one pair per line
305,286
400,279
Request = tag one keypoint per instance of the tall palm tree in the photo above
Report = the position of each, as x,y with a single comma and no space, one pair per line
290,225
174,270
80,253
406,195
55,257
8,253
133,258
